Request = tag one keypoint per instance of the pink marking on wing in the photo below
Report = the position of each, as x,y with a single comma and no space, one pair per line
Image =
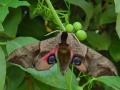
53,51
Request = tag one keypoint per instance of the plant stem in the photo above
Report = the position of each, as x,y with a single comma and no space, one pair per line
90,81
55,14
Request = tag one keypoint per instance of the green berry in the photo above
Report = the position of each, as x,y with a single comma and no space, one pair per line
77,26
69,27
81,35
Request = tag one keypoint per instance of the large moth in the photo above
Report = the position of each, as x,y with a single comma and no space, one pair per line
67,50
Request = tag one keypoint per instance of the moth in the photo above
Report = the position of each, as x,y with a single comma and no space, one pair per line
66,50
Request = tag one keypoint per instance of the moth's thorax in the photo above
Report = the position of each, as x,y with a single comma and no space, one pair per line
63,48
64,56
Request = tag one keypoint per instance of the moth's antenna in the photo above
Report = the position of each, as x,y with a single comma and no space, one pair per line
64,37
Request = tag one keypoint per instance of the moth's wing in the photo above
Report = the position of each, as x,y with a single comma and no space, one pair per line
47,47
99,65
78,49
92,62
23,56
32,55
76,46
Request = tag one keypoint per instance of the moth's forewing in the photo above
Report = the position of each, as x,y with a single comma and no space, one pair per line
78,49
47,47
92,62
33,55
24,55
41,62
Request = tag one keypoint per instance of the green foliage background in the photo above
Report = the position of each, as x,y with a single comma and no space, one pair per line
27,21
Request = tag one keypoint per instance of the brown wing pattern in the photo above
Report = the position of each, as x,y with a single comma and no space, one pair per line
31,55
92,62
24,55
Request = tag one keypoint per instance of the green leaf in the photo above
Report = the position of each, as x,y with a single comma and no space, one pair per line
16,3
15,76
1,27
13,3
111,81
19,42
117,6
115,50
32,27
87,8
118,24
4,36
51,77
5,4
33,84
2,69
3,13
12,21
37,85
100,42
108,16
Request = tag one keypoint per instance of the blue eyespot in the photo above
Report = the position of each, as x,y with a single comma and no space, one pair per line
52,59
76,60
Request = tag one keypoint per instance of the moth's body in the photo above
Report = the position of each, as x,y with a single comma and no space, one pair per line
64,56
68,50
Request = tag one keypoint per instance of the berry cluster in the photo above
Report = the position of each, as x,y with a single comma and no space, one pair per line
76,28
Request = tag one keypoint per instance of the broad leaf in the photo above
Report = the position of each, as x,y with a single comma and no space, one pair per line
32,27
17,3
19,42
115,50
111,81
2,69
117,6
3,13
15,76
118,24
52,77
5,4
87,8
1,27
108,16
11,22
100,42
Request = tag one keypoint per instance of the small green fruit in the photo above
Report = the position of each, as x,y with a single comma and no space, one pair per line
77,26
69,27
81,35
